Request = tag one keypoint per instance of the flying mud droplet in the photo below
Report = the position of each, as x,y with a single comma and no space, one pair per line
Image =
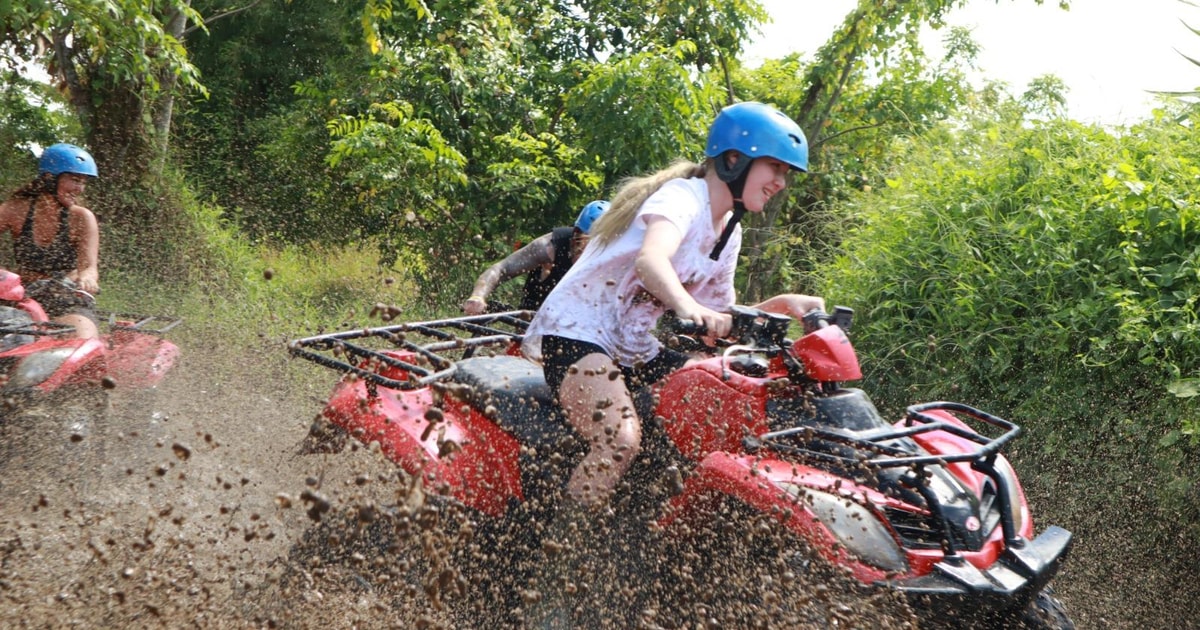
319,505
108,383
268,273
181,451
674,481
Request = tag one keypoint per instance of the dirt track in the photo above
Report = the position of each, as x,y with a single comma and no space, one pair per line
184,509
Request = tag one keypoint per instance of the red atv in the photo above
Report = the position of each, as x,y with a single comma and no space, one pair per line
45,370
927,506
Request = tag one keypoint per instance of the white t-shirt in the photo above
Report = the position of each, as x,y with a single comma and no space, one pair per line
602,301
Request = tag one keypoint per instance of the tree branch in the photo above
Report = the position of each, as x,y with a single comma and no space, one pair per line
846,131
218,16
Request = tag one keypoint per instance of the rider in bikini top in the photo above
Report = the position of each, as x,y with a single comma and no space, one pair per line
56,259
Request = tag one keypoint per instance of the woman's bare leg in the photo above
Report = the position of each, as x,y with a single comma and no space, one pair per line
84,327
597,403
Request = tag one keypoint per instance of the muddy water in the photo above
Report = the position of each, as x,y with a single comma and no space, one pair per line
193,507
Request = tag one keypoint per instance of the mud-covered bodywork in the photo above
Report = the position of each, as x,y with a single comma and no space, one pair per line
926,505
38,356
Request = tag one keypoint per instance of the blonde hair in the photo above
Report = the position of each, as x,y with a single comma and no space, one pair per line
633,193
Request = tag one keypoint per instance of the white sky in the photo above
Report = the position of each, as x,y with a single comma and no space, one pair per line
1108,52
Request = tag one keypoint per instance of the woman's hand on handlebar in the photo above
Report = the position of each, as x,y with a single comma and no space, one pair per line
794,305
716,324
86,281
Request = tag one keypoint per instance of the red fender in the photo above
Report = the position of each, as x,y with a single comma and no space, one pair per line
463,455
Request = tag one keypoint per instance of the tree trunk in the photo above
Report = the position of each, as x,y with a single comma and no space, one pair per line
165,107
826,80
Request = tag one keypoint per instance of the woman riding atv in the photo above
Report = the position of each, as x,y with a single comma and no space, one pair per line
56,241
669,241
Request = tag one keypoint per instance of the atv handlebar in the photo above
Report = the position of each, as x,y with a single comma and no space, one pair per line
762,330
842,316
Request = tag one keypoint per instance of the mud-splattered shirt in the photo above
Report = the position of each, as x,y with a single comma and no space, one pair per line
601,300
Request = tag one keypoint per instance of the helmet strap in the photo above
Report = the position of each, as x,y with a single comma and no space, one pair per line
736,181
739,209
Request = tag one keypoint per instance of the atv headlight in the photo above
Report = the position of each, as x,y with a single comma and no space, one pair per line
857,528
38,367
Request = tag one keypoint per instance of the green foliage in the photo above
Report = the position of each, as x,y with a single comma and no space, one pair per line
101,39
31,113
1046,95
468,124
245,292
664,111
260,157
906,96
1044,271
1001,246
714,29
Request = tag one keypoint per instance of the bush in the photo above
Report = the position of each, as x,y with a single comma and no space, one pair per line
1048,270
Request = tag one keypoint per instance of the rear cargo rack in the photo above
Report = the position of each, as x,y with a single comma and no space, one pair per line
435,344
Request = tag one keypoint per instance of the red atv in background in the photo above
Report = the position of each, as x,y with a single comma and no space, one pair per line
45,370
927,507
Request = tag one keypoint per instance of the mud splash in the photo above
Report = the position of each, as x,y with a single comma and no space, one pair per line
193,507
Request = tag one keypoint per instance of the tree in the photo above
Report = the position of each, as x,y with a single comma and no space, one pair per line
117,78
413,125
882,33
30,115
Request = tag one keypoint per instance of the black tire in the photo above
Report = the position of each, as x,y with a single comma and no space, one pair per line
1045,612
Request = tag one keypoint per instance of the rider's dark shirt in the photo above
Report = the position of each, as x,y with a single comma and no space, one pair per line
56,259
537,287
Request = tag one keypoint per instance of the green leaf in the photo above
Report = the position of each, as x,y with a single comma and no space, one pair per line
1185,388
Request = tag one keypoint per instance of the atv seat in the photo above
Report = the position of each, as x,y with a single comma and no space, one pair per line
524,405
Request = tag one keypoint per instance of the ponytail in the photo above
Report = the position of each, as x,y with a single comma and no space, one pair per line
42,184
633,193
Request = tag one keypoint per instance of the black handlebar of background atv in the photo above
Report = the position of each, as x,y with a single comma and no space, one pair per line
758,328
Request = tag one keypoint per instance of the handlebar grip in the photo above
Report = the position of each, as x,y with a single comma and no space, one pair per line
690,328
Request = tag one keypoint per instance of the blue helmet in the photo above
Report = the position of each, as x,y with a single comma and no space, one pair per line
758,130
589,214
67,158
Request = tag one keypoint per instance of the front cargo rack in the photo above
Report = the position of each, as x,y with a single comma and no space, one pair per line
151,324
885,453
36,329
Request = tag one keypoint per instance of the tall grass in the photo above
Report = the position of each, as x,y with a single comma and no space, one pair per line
232,289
